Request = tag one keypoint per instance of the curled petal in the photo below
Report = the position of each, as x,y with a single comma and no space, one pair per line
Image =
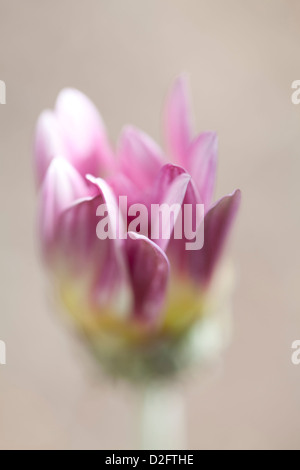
76,235
61,187
186,194
202,164
115,274
217,224
116,222
149,274
177,121
166,177
171,188
98,262
140,157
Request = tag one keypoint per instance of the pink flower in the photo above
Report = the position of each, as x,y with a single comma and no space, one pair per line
136,299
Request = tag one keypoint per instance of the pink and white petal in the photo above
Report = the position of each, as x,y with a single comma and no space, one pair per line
171,188
76,234
100,264
116,267
116,221
61,187
121,185
217,225
202,164
177,121
166,176
84,133
48,144
166,183
149,273
140,158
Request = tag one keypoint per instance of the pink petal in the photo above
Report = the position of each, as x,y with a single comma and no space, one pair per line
48,143
171,188
61,187
115,273
177,121
217,224
203,164
76,233
140,157
100,263
123,186
149,273
83,132
116,222
167,175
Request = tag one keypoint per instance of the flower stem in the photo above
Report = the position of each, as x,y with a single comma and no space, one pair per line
162,418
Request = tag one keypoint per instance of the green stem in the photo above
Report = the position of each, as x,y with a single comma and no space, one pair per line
163,418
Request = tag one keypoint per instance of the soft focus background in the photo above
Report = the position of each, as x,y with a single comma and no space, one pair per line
242,57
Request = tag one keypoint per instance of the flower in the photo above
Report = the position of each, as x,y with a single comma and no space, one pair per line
144,304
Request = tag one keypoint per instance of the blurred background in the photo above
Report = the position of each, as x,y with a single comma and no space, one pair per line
242,57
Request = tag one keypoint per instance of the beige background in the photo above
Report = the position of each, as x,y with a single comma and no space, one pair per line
242,57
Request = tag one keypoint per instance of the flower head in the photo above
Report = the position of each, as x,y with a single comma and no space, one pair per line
137,295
